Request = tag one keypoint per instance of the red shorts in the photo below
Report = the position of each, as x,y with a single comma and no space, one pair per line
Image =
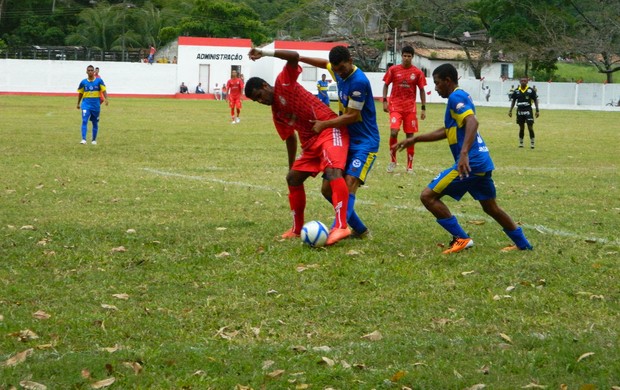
329,150
409,121
234,103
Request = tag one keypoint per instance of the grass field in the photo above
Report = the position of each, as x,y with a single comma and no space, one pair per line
151,260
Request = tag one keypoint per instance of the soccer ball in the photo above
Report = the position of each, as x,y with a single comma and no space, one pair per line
314,233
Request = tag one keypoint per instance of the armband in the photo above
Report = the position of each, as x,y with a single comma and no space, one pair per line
267,52
423,107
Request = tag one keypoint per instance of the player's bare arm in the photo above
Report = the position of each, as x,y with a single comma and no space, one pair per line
350,116
385,101
423,101
318,62
291,148
471,129
433,136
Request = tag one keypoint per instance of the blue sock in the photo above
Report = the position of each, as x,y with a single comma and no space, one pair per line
453,227
352,218
518,237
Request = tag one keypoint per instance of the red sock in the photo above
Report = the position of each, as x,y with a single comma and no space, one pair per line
393,141
410,153
340,200
297,200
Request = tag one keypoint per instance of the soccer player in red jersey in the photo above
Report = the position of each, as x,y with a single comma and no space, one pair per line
406,79
296,109
234,87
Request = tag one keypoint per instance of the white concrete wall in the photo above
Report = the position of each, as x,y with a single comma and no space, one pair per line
124,78
49,76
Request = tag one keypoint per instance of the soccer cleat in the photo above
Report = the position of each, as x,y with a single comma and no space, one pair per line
511,248
237,120
410,171
233,122
520,145
390,167
336,235
290,234
94,142
459,244
83,142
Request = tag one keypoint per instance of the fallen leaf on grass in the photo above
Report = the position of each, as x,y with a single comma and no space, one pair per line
30,385
275,373
108,307
478,386
299,348
111,349
374,336
465,273
41,315
303,267
484,370
476,222
585,355
135,366
131,231
121,296
24,335
267,364
103,383
221,229
323,348
17,358
505,337
119,249
222,255
327,361
44,346
85,374
353,252
534,386
28,227
302,386
398,376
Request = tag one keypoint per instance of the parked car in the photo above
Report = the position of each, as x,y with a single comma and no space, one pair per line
332,92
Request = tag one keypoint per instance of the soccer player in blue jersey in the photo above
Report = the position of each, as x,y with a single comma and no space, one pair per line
89,92
471,171
322,85
358,114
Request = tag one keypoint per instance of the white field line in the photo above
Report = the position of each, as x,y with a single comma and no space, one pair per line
539,228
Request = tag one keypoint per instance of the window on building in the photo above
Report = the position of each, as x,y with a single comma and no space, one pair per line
505,71
309,73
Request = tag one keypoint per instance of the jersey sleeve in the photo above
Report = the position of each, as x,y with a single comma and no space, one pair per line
357,95
460,107
387,77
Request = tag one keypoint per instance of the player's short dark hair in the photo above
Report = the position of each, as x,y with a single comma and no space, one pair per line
407,49
339,54
252,84
447,71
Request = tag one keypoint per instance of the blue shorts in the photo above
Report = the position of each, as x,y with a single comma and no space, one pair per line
479,185
359,164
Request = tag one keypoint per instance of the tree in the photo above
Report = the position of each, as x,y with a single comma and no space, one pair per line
223,19
597,36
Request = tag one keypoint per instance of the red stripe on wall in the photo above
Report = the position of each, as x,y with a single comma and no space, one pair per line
230,42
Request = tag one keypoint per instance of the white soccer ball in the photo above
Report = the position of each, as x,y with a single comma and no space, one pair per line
314,233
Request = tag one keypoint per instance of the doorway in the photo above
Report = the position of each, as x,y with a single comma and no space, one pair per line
204,77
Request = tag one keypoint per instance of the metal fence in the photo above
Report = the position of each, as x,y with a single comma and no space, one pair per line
74,53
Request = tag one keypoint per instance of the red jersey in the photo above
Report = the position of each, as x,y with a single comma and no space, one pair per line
235,88
294,107
405,83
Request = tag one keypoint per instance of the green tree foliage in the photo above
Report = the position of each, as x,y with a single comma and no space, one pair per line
223,19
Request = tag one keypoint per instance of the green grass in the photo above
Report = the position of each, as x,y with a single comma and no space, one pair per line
570,72
216,301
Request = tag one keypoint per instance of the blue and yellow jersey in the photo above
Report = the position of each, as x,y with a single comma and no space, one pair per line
355,92
322,86
91,91
460,106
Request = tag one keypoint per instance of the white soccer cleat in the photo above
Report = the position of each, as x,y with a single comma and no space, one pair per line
391,166
83,142
94,142
237,120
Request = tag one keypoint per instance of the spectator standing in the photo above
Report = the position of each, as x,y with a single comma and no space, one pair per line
234,86
487,93
224,92
151,57
217,92
89,91
322,86
523,97
471,171
406,80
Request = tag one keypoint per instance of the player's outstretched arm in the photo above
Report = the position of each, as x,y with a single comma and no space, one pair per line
318,62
